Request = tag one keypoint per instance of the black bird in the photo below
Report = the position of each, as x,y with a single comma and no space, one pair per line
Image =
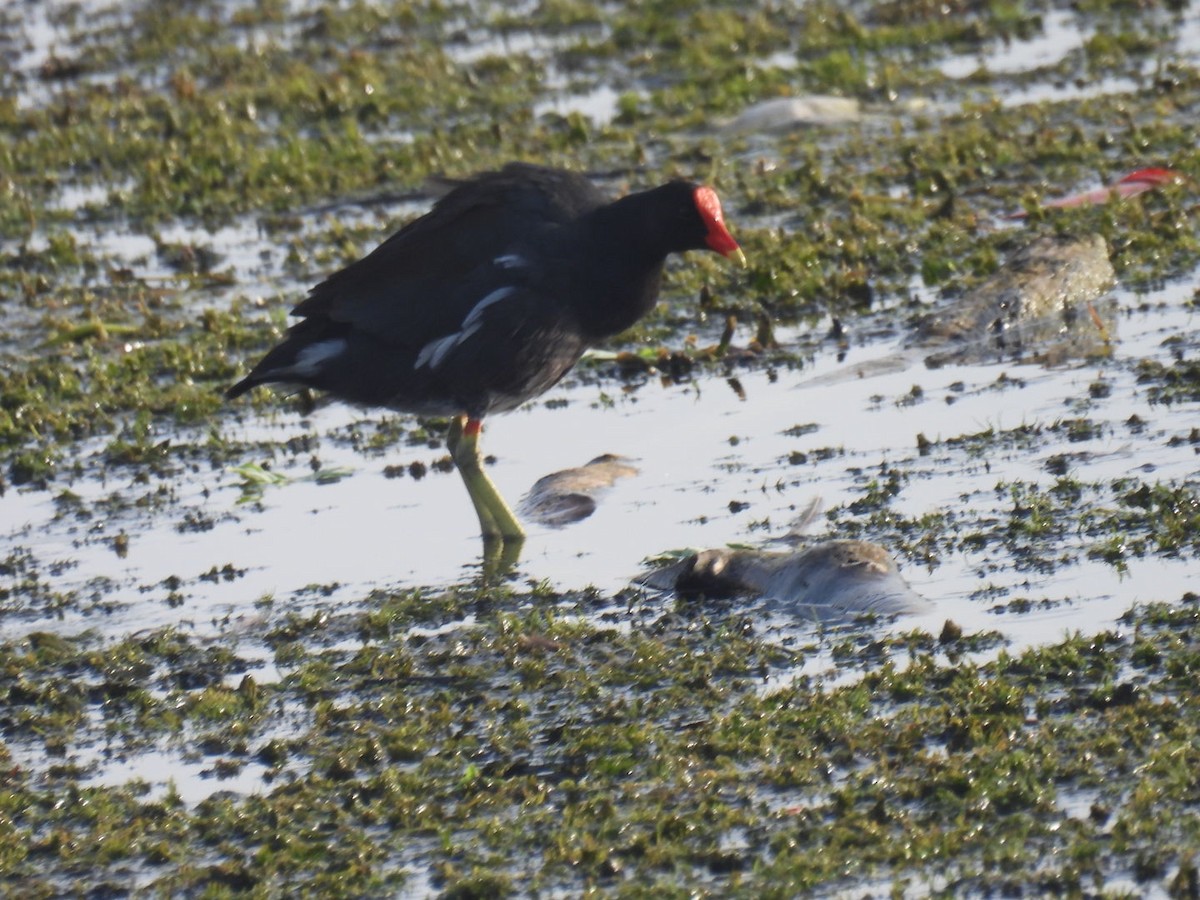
488,300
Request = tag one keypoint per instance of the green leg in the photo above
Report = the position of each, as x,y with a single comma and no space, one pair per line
496,520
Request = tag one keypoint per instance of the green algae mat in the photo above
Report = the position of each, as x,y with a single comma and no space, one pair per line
172,179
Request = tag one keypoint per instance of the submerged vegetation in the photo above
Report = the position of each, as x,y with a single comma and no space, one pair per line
532,753
492,741
276,115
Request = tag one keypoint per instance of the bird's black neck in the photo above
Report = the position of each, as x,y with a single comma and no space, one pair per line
623,268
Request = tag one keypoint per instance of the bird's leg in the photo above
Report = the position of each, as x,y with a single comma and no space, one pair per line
454,436
454,443
495,518
500,557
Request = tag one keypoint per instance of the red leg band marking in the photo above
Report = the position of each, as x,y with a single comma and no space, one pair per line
473,427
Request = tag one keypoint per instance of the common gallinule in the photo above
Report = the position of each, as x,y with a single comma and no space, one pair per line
488,300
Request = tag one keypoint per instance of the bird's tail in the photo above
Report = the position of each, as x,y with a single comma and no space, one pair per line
246,384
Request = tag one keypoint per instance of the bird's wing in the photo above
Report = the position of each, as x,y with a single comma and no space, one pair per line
424,279
513,344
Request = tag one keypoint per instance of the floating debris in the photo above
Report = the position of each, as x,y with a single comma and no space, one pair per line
784,113
1045,305
1131,185
830,580
1041,302
571,495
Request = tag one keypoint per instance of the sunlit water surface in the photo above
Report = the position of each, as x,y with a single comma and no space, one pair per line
716,464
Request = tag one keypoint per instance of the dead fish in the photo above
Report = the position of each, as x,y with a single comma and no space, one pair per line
1043,299
829,580
561,498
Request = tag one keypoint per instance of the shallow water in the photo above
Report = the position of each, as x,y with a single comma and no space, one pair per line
1061,35
716,465
703,452
1060,44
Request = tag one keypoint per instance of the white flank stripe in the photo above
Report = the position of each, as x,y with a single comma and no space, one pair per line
474,316
435,352
312,358
511,261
